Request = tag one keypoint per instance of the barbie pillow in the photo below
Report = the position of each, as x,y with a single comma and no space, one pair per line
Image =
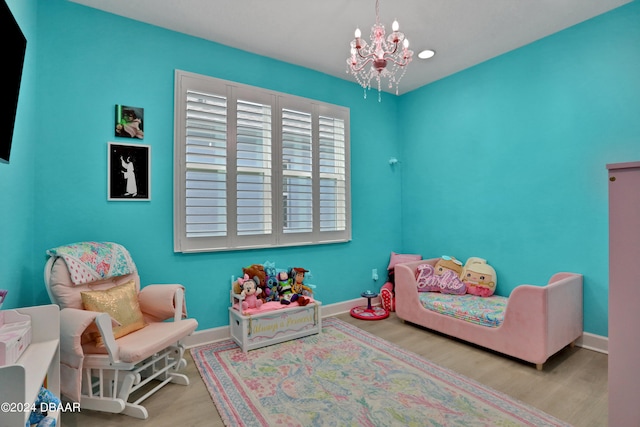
400,258
450,283
447,282
427,280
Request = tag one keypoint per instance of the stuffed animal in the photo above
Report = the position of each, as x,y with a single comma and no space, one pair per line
257,273
298,287
479,277
44,400
279,284
250,292
285,290
271,282
272,288
284,285
293,289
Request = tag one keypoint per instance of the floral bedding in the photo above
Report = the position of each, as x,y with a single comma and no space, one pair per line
485,311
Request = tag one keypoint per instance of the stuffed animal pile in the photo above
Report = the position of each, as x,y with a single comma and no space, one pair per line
449,276
262,283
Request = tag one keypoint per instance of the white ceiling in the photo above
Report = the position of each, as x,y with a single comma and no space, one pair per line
317,34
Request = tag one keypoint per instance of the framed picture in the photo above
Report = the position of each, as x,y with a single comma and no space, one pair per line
129,172
129,122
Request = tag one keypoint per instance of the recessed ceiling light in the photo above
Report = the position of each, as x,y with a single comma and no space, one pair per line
426,54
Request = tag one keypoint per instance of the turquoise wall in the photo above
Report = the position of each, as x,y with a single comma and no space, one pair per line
89,61
506,160
17,190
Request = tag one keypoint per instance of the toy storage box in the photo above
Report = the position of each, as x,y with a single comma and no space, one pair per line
15,336
273,327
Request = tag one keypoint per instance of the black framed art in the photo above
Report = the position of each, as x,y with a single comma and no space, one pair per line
129,172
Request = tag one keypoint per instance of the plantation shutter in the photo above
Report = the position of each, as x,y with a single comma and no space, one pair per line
297,189
206,170
253,168
333,189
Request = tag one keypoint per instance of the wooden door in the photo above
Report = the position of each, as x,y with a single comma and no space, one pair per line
624,294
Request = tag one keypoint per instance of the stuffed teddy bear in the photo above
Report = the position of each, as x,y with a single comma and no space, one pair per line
250,292
257,273
479,277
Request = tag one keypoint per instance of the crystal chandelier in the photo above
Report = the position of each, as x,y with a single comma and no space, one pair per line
387,59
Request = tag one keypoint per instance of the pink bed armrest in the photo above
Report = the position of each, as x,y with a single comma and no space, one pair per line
158,302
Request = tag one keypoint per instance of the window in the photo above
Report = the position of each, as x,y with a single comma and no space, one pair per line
255,168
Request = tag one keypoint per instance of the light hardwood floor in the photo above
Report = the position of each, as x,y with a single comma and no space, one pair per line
571,387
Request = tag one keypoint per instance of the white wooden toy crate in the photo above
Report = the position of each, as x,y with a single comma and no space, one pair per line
272,327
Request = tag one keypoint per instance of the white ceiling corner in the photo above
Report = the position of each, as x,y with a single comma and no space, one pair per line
316,35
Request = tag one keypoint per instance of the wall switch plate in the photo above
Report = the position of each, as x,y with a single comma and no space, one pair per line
374,274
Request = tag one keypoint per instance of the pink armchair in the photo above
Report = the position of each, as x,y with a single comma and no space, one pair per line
103,374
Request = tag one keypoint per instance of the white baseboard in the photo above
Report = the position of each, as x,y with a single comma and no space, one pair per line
587,340
207,336
593,342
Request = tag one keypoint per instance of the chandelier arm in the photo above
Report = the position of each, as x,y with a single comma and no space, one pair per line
400,63
364,64
395,49
368,56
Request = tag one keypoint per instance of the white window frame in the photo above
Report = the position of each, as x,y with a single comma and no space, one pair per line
274,234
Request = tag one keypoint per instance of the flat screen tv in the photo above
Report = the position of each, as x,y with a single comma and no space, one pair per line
13,60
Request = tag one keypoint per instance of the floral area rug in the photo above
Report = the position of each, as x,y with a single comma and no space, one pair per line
348,377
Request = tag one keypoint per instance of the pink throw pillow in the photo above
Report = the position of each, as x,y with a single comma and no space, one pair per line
446,283
400,258
427,280
450,283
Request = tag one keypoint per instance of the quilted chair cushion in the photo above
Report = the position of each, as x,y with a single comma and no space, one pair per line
67,295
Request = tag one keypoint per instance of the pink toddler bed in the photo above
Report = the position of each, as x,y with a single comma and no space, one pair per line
532,324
